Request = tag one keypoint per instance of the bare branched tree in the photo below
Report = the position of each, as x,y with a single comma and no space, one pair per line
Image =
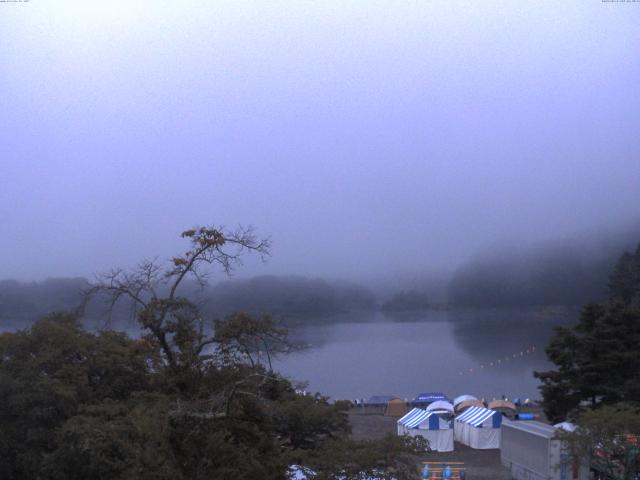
242,338
153,288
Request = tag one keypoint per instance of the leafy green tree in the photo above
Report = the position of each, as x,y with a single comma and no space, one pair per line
242,338
624,282
153,290
597,361
119,440
560,392
48,373
609,439
185,401
390,458
77,405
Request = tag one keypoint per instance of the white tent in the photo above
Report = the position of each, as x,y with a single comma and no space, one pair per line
429,425
440,406
478,428
566,426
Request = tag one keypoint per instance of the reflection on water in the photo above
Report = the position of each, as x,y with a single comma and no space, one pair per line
355,356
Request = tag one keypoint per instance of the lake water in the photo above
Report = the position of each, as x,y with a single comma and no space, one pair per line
486,353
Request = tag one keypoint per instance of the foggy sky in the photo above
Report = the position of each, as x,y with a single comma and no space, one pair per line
365,137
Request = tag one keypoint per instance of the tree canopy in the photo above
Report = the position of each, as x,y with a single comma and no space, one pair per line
598,360
624,282
189,399
406,301
609,438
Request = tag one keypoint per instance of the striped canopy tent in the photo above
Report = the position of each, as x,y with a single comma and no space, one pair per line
478,427
403,422
462,406
462,398
434,428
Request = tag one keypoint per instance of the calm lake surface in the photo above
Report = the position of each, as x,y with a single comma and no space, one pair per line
486,353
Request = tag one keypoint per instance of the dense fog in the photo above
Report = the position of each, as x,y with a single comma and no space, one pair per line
377,143
223,222
569,272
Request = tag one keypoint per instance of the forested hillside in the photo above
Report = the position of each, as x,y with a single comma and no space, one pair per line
565,273
286,295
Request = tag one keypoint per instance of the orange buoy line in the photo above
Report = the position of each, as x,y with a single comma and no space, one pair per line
500,361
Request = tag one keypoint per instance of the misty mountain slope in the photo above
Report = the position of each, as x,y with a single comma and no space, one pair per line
563,273
27,302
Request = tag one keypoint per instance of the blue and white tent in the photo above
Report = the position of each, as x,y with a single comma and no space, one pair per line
434,428
478,427
411,420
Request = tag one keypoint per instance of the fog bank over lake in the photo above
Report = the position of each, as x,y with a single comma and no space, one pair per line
368,139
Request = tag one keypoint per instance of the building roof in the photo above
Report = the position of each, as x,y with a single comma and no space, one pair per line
533,427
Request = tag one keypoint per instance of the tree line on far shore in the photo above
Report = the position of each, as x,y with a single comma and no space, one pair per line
280,296
551,275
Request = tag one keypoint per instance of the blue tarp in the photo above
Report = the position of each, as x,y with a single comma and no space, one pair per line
427,398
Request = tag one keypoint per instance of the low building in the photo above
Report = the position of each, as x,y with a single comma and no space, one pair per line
533,451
